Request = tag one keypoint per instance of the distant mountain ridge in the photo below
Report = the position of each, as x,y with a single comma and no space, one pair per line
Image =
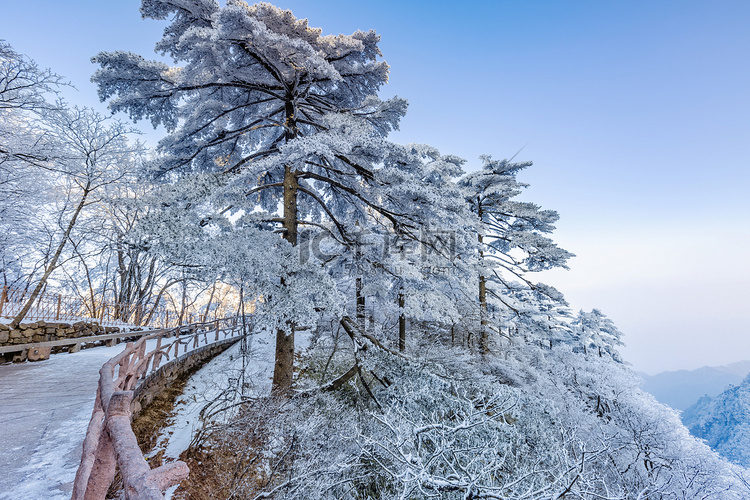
683,388
724,422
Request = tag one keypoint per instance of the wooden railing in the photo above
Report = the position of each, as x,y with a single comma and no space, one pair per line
110,442
55,307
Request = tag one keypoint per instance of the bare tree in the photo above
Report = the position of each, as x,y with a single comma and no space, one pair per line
94,153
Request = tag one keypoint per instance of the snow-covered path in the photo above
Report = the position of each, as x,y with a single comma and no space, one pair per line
46,406
44,410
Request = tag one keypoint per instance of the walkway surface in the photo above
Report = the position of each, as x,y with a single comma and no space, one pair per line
44,410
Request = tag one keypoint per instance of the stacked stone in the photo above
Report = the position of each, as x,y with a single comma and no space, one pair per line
42,331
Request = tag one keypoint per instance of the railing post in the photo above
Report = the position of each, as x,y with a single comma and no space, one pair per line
59,304
156,360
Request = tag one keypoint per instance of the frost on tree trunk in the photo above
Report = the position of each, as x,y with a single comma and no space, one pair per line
284,366
283,371
484,335
484,339
360,303
401,322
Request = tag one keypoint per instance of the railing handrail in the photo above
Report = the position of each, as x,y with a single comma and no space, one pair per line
58,307
110,441
73,340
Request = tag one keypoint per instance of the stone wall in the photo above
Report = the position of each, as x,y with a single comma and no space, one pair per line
42,331
165,375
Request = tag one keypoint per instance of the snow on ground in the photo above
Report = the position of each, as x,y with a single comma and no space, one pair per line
214,379
211,382
45,408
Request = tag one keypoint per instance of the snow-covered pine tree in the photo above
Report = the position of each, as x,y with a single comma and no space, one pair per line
413,276
264,112
511,237
431,277
595,333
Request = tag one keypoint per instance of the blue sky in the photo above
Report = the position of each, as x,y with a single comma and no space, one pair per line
636,115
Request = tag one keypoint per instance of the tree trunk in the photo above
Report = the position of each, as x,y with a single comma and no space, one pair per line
53,263
210,299
360,303
283,370
484,340
183,304
401,323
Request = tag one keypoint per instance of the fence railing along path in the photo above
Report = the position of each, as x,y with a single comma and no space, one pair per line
55,307
110,442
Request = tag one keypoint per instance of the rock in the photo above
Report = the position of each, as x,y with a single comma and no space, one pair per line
4,336
15,334
4,326
39,353
79,325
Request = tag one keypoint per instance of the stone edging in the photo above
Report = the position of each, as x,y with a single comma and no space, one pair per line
156,381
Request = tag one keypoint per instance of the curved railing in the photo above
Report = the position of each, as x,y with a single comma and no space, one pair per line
110,442
55,307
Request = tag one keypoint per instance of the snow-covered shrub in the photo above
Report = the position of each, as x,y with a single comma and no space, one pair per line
533,423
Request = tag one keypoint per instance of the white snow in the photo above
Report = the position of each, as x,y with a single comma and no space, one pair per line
45,409
209,382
